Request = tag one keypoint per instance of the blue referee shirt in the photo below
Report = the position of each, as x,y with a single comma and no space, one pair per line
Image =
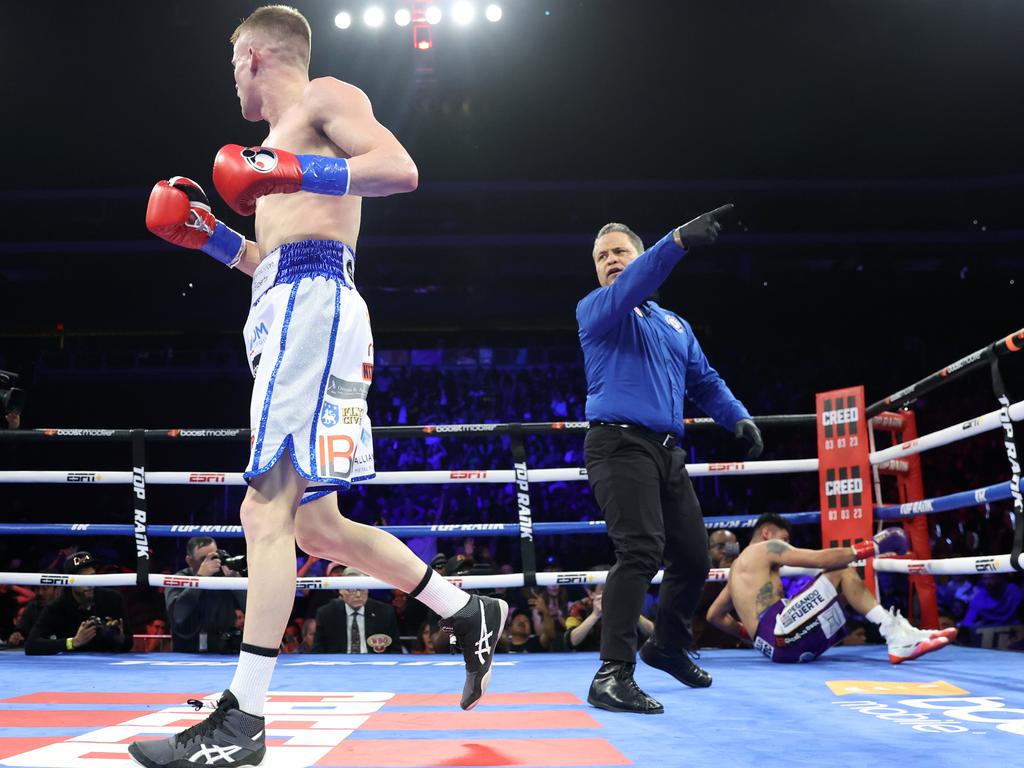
641,360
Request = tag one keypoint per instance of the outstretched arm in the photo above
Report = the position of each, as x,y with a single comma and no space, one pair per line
889,540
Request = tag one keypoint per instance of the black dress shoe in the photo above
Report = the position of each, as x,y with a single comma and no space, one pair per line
676,663
615,689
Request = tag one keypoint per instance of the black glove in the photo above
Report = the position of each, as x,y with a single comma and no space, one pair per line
704,229
747,431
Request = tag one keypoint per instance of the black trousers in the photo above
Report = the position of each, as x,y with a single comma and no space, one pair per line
653,517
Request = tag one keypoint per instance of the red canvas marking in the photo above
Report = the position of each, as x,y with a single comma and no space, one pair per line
106,756
399,753
452,699
469,721
15,746
68,718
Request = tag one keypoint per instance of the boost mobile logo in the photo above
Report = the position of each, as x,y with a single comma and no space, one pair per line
962,714
523,500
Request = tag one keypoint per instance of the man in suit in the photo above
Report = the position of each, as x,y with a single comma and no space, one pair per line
356,624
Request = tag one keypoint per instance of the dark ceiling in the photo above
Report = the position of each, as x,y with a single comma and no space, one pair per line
872,149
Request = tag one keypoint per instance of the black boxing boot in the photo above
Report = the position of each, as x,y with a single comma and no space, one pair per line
615,689
676,663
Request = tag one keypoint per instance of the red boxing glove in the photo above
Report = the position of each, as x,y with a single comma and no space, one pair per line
244,174
179,212
892,540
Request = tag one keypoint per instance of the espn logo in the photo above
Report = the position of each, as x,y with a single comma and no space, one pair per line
181,581
572,578
468,474
840,417
206,477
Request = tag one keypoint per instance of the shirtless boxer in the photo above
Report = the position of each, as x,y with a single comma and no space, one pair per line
311,353
808,624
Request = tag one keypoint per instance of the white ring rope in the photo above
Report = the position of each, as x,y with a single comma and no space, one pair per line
955,433
948,566
423,477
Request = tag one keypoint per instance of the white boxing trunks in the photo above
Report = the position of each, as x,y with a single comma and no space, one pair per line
311,352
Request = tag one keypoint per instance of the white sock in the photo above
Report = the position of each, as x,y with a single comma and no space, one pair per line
252,677
440,595
885,620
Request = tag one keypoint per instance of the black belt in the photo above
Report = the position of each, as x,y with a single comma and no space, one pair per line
664,439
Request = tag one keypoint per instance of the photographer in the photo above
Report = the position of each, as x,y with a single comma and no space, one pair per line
203,620
583,627
87,619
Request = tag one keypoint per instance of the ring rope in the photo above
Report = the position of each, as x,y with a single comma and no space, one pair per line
949,566
963,430
441,531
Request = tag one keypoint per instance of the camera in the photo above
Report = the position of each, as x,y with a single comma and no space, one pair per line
235,562
11,398
105,633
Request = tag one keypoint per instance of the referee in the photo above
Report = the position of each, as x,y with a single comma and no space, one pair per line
640,361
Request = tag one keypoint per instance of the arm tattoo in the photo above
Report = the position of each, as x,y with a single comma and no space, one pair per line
777,547
765,596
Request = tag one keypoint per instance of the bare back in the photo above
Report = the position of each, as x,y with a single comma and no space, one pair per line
303,215
754,583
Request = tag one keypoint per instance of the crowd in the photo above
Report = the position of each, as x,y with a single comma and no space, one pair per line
516,390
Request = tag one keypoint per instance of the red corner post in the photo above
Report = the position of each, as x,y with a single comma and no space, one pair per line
910,489
844,471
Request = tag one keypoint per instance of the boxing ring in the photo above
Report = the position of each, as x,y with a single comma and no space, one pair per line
943,709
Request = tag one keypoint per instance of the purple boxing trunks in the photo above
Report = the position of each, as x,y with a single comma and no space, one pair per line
803,627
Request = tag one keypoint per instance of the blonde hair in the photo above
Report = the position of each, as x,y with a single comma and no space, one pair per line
280,24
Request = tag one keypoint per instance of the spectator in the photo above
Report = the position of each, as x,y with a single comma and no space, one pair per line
354,623
424,641
12,598
87,619
13,419
722,548
157,637
996,602
44,595
318,598
520,637
583,627
204,620
308,635
411,614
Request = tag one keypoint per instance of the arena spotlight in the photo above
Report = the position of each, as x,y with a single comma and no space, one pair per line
343,20
432,15
463,12
403,17
373,16
493,12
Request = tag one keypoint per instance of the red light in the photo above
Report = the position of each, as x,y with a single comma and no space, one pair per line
422,39
60,326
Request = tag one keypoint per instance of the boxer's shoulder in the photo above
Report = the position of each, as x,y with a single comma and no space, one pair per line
331,93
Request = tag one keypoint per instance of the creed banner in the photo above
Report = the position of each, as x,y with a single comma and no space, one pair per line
844,468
